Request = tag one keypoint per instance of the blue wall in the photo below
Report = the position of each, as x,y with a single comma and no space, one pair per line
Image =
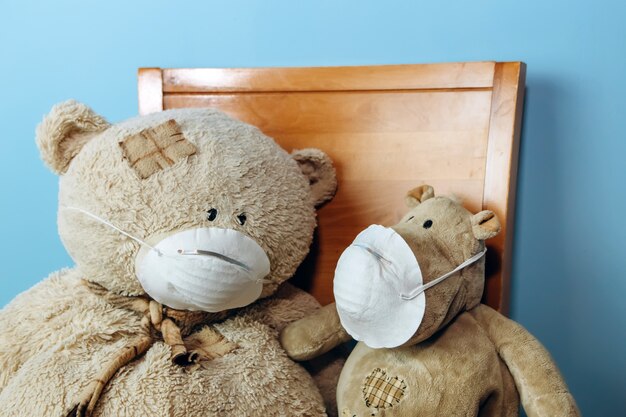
569,266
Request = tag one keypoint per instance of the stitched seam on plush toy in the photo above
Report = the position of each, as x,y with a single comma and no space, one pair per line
147,155
158,148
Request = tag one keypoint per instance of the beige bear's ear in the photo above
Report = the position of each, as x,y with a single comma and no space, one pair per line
64,132
419,195
319,170
485,225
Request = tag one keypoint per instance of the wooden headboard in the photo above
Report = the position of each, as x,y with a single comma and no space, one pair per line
387,129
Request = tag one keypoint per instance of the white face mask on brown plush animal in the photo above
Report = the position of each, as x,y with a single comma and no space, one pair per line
379,286
411,293
208,269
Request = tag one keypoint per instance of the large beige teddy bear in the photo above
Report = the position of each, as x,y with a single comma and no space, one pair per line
184,226
411,293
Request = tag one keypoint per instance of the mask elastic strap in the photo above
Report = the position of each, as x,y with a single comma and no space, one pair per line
112,226
436,281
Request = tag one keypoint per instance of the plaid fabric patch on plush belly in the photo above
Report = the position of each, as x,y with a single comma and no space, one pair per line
381,390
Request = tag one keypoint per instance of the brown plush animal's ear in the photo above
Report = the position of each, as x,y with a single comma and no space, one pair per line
485,225
319,170
419,195
64,131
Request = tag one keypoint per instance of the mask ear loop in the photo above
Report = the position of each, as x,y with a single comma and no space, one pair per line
436,281
112,226
143,242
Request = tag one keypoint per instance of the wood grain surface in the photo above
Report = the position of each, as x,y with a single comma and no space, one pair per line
387,129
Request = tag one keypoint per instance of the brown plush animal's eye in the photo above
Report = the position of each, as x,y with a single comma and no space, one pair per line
242,218
410,218
427,224
211,214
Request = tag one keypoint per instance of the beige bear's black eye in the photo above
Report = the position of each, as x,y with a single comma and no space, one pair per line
427,224
242,218
211,214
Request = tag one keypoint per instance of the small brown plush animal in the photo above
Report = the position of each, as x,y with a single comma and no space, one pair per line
464,359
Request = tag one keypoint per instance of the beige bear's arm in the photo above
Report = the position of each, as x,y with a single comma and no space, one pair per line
36,320
541,387
314,335
10,356
20,323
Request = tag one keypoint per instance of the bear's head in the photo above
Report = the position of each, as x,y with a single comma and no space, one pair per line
124,188
399,285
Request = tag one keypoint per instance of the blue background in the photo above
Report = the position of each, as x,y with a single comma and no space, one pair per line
569,278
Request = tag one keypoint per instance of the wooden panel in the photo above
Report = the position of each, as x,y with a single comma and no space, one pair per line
387,129
388,77
378,152
501,175
350,112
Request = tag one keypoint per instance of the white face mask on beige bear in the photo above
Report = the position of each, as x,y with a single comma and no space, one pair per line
206,269
379,288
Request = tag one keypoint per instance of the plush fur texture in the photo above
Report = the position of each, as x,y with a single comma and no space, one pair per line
55,337
63,133
65,332
465,359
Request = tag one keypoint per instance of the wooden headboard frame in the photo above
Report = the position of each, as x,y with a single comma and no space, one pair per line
387,129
